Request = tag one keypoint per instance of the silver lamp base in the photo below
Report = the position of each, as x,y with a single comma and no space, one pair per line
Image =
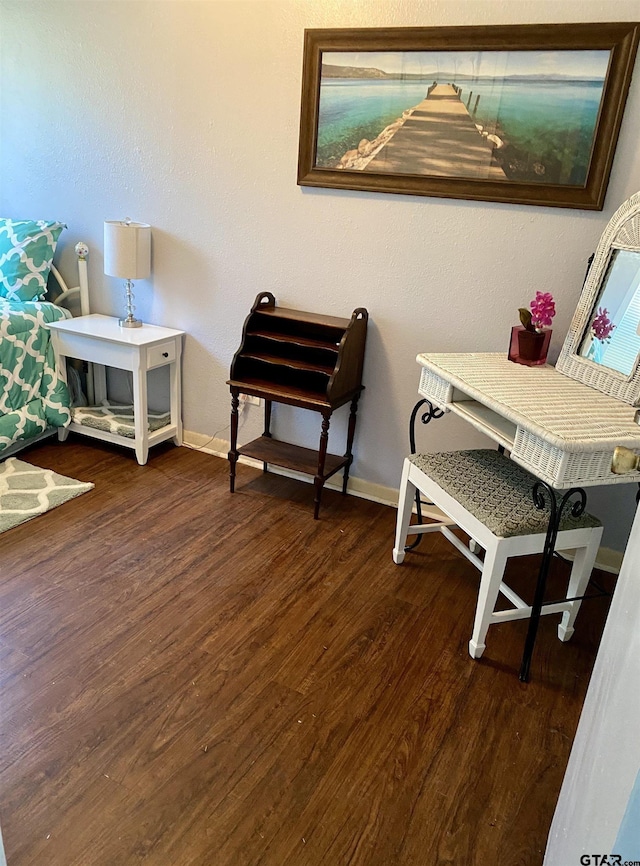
130,322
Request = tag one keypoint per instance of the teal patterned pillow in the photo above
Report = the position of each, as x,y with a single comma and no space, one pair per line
26,253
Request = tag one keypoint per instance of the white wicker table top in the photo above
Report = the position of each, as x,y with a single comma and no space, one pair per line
565,413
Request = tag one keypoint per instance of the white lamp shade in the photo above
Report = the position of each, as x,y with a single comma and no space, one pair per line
127,249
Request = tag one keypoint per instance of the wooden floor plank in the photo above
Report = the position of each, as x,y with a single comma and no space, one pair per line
191,677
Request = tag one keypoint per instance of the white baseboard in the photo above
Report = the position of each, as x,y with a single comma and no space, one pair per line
208,444
607,560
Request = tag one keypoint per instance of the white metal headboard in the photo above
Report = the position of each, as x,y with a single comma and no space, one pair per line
81,290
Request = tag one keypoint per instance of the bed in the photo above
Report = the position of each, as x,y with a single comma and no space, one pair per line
34,398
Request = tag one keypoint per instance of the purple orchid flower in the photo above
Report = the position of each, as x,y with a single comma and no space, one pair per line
602,326
543,309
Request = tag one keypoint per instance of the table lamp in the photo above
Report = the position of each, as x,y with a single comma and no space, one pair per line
127,254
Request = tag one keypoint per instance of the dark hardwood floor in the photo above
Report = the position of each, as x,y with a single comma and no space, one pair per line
194,678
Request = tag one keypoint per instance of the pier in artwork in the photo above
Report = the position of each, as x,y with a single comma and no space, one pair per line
438,138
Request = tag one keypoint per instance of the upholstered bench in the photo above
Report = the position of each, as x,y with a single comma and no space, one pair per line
489,497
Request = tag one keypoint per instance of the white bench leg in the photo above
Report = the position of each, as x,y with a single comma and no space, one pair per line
495,562
405,509
583,563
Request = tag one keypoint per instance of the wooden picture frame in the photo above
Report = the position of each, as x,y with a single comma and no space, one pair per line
552,98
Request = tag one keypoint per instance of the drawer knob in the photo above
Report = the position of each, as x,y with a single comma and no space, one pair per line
165,354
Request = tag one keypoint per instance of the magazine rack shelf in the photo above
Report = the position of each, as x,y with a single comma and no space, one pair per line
302,359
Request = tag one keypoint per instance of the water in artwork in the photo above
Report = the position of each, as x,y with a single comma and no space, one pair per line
547,126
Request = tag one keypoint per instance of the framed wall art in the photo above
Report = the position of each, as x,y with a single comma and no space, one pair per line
526,114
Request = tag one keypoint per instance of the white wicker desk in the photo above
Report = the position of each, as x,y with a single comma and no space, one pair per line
562,431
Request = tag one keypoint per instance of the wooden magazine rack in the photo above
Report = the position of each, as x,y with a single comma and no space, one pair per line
303,359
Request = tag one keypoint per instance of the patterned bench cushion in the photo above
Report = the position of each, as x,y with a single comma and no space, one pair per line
495,490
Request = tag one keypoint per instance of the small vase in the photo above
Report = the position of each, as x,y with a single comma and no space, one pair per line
529,347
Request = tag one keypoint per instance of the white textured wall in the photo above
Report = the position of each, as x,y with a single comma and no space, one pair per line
597,812
185,115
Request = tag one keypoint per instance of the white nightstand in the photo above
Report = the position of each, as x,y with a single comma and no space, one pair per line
101,341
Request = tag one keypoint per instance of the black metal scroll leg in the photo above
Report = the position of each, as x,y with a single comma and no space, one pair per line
350,434
555,516
431,413
233,445
318,481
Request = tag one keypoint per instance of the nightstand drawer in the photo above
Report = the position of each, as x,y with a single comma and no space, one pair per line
165,353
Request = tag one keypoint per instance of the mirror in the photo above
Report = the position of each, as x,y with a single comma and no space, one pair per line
602,348
612,337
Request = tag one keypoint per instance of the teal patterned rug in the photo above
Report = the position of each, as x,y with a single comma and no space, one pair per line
27,491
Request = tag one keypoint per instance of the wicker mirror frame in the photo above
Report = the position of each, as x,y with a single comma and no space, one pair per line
621,233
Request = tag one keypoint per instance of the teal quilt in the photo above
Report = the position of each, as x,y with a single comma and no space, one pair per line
33,396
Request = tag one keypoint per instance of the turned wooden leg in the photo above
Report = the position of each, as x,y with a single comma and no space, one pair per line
350,434
267,426
233,450
318,481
